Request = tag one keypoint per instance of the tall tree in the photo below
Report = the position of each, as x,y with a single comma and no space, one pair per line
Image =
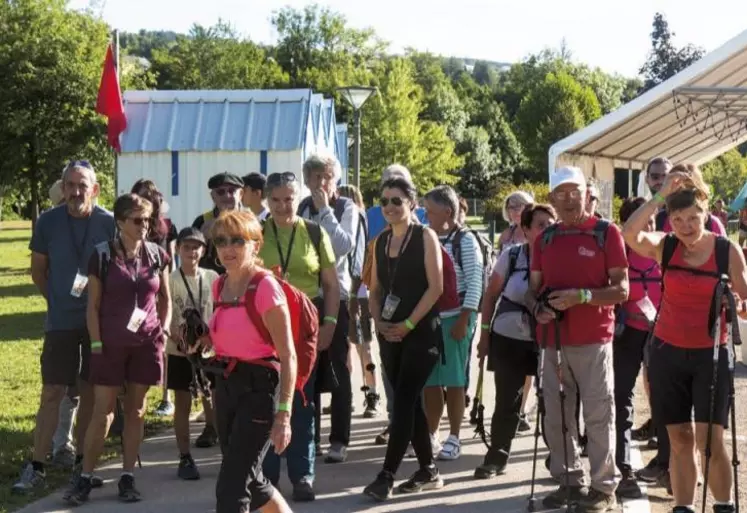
481,165
551,111
393,132
726,175
665,59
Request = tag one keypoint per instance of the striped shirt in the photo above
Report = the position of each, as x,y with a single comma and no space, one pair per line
469,274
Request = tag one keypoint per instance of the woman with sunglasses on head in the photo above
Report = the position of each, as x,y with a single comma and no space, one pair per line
407,282
513,205
129,305
263,371
301,252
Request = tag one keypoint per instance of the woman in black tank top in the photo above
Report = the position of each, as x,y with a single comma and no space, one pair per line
405,288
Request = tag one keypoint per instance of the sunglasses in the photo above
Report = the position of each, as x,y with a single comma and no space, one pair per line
139,221
396,201
276,178
226,191
79,163
222,242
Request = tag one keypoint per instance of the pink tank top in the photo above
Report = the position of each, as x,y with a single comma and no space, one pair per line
645,280
232,331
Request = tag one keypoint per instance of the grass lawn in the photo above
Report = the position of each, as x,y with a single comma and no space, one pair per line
21,329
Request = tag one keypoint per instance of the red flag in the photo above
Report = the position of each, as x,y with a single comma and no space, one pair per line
109,102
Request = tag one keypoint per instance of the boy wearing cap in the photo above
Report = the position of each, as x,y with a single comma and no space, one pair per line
580,263
254,195
190,287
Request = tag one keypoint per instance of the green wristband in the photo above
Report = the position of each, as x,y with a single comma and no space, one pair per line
484,326
329,318
659,198
95,344
409,324
284,407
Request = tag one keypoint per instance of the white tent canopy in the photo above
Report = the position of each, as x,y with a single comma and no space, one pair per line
695,116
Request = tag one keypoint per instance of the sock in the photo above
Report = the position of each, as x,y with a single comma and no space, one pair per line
85,475
78,459
372,390
127,474
184,455
727,503
38,466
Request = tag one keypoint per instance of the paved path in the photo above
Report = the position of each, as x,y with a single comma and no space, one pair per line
338,487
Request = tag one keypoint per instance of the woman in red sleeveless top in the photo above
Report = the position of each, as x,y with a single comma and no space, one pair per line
681,357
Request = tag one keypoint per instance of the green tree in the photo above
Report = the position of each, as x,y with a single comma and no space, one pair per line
664,59
50,76
215,58
726,175
480,169
551,111
393,132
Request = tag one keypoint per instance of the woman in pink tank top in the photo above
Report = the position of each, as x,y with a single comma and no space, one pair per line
249,415
681,357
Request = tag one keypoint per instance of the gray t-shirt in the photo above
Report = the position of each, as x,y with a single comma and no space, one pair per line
514,324
68,242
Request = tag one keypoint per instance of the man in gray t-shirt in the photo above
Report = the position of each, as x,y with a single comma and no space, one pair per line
61,245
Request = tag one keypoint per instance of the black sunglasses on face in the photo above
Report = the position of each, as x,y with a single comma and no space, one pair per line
226,191
139,221
396,201
222,242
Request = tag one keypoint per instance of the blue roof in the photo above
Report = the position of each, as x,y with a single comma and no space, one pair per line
241,120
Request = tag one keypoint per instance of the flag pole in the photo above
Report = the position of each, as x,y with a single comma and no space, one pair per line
115,51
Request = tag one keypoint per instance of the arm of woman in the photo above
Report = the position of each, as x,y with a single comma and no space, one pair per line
489,300
331,294
92,311
163,302
434,273
278,323
172,255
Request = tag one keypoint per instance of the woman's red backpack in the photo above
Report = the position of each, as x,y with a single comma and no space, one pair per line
449,299
304,323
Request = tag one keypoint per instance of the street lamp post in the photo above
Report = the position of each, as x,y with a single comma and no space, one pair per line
356,96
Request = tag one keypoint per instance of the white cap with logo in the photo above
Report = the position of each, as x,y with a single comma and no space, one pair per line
565,175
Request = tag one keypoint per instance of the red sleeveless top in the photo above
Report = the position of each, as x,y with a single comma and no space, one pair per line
686,305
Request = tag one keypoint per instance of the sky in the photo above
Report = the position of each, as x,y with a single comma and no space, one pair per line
615,38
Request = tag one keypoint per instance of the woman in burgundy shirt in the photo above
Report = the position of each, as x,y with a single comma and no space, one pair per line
681,357
128,305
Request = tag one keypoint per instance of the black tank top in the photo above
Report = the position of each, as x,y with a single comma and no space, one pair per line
410,280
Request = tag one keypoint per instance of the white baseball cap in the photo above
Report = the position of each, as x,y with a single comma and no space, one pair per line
567,174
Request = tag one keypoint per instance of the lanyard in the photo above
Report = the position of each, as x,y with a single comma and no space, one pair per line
138,261
393,272
79,249
284,263
198,306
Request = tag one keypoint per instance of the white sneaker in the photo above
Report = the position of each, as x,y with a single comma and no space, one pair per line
451,449
435,444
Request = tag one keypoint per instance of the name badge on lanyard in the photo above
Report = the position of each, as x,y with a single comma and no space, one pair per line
138,314
79,285
80,281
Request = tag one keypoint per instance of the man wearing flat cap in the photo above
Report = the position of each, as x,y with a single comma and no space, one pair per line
226,190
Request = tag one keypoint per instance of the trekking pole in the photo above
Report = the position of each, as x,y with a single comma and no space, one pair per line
716,308
532,506
733,339
563,420
480,416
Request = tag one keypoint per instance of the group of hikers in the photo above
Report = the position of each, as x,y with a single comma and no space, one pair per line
256,308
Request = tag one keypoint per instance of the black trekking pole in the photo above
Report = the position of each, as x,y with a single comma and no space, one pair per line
716,309
563,420
532,506
733,339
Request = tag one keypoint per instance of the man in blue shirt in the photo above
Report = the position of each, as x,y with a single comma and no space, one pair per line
61,246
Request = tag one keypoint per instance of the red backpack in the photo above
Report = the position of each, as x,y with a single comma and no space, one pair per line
449,299
304,324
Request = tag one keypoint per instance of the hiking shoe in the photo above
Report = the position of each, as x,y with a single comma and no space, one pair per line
326,410
583,441
596,502
489,470
303,491
665,481
381,488
208,438
524,425
165,409
651,472
78,491
187,468
724,508
96,481
559,497
685,509
383,437
642,433
425,478
337,453
653,443
436,445
127,490
451,449
628,488
28,480
372,405
64,457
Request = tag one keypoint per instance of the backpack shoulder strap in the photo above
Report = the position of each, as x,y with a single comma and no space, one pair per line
304,205
104,252
661,219
709,224
217,287
723,247
250,299
340,204
549,234
600,231
315,235
670,244
154,254
456,245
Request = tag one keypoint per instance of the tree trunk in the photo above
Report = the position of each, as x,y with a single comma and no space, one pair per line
34,181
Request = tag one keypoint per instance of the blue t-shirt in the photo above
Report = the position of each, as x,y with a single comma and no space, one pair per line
377,222
68,243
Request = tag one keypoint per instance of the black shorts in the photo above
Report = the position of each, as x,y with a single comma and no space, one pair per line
66,357
680,381
179,374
